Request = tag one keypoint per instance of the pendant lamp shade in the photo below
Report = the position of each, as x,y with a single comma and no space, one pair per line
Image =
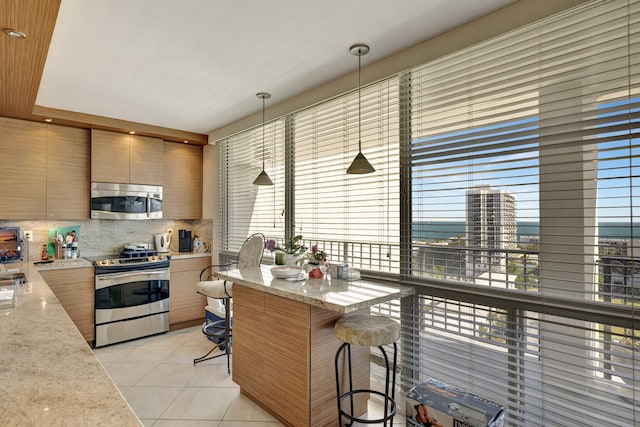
263,177
360,164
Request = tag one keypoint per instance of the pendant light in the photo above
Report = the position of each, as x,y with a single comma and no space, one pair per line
360,164
263,178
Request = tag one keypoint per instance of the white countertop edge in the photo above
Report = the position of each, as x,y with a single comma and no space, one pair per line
185,255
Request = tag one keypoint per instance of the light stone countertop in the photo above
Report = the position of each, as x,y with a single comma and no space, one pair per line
49,376
328,293
61,264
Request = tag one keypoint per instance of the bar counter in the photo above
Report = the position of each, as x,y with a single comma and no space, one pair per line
283,342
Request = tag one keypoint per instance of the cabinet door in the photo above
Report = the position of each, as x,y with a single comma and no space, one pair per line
186,304
145,155
23,161
109,156
68,159
74,288
182,181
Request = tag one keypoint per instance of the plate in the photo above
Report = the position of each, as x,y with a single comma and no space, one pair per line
284,272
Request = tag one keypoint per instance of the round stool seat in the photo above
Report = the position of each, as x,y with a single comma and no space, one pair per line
215,288
372,331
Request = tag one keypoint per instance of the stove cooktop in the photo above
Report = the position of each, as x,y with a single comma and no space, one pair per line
137,262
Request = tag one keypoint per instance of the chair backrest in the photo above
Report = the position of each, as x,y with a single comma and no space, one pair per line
250,254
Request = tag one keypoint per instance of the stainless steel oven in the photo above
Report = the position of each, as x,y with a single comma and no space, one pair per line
125,201
131,298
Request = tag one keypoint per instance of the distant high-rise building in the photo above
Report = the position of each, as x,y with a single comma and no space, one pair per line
491,224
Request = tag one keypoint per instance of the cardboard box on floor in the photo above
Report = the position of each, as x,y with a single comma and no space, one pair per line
435,404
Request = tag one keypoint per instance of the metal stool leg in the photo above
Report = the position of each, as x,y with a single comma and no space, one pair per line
227,332
226,335
390,408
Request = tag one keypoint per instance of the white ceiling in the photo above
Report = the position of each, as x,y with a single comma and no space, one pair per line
196,65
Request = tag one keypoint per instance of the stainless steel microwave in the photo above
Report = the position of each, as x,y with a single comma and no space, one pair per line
125,201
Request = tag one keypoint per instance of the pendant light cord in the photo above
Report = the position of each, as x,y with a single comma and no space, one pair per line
359,107
263,133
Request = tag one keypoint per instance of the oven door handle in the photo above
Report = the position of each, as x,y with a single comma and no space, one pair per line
116,279
130,273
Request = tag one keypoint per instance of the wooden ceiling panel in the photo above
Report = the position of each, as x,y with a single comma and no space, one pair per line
22,64
23,59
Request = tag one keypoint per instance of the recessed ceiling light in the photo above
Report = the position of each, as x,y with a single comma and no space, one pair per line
15,34
132,132
186,141
48,120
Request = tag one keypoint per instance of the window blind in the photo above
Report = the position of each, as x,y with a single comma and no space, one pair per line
354,218
505,192
246,208
523,161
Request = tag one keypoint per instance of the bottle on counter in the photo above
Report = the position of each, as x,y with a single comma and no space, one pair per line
44,253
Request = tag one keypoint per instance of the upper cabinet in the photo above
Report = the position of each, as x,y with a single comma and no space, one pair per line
126,159
145,160
182,181
46,171
24,162
68,155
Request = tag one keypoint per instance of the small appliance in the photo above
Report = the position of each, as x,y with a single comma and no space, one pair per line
125,201
163,241
131,295
184,241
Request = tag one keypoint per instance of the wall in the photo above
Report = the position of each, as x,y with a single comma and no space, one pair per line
98,238
210,194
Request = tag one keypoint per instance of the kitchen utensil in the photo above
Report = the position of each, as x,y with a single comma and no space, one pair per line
163,241
283,272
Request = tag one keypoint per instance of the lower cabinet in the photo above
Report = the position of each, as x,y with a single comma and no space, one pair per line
74,288
187,306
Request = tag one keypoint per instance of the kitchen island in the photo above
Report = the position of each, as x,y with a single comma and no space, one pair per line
49,376
283,342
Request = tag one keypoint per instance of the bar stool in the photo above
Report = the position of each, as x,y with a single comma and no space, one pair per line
370,331
221,331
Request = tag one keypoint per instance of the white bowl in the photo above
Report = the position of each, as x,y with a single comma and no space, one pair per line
283,272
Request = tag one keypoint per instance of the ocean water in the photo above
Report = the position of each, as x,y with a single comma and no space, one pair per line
432,230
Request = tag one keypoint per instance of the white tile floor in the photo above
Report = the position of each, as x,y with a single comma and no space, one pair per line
157,377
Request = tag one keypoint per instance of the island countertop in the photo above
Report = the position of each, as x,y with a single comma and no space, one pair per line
49,375
329,293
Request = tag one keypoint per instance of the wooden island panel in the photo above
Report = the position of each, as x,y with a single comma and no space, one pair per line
286,358
248,340
283,357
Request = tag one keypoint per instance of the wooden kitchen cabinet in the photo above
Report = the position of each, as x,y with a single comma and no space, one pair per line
126,159
187,306
68,158
75,288
46,171
182,198
24,160
146,160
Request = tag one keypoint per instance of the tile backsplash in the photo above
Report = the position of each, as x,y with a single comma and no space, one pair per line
107,237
